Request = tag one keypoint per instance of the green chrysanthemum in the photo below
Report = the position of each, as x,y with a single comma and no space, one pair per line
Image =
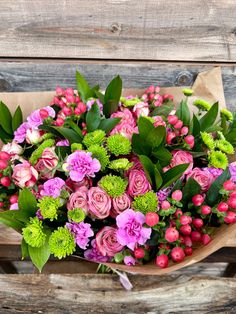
76,214
145,203
225,146
38,152
100,154
187,91
208,140
33,234
49,207
76,146
129,102
218,159
62,243
227,114
202,104
120,164
95,137
118,145
113,185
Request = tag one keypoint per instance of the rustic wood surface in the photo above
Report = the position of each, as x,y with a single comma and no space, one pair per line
104,294
119,29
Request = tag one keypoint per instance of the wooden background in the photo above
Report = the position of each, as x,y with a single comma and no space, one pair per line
164,42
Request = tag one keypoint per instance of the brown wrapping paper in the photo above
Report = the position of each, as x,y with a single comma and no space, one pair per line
208,85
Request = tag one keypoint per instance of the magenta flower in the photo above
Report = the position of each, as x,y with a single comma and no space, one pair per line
35,120
52,187
94,255
130,229
232,169
129,260
82,232
14,206
81,164
20,133
63,143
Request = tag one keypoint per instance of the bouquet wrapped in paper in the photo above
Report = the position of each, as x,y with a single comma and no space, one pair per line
141,182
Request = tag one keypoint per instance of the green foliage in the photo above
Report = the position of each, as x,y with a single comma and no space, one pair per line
209,118
183,112
93,118
173,174
112,96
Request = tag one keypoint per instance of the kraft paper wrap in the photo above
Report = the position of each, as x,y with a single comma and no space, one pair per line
208,85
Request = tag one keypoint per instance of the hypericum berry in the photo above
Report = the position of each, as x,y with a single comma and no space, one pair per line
198,223
13,199
196,236
178,213
170,136
205,210
184,130
139,252
59,121
162,261
3,164
197,200
189,139
177,254
43,113
188,241
186,229
181,239
232,202
67,111
165,205
188,251
228,185
82,107
5,156
230,217
1,204
5,181
70,98
172,119
177,195
185,220
178,124
222,207
233,194
171,234
151,219
206,239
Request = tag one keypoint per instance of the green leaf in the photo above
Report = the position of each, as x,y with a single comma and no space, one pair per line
156,137
27,204
62,151
24,249
190,189
231,136
145,126
49,129
75,127
5,118
139,146
112,96
108,124
5,137
163,155
69,134
39,256
8,219
151,171
183,112
17,118
173,174
212,194
195,126
163,110
100,96
93,118
210,117
82,87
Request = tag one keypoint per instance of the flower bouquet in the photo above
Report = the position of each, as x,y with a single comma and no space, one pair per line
133,182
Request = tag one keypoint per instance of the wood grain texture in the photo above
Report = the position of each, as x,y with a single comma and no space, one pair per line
104,294
44,75
119,29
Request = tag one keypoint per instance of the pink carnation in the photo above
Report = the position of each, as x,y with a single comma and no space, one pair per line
35,120
203,177
141,109
79,199
182,157
107,243
52,187
138,183
126,117
99,203
24,175
82,232
120,203
94,254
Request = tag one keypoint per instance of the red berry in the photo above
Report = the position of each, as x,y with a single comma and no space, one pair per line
189,139
165,205
13,199
206,239
152,219
77,111
228,185
177,254
1,204
5,156
82,107
233,194
196,236
232,202
5,181
188,251
43,113
3,164
185,220
67,111
177,195
184,130
188,241
178,124
222,207
181,238
162,260
170,136
139,252
230,217
164,246
171,234
197,200
186,229
205,210
178,213
59,121
198,223
172,119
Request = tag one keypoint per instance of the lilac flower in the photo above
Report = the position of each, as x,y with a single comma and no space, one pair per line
63,143
94,255
82,232
20,133
52,187
81,164
216,172
129,260
38,214
14,206
35,120
163,194
130,229
232,169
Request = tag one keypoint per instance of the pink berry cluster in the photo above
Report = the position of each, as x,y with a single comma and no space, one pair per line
152,95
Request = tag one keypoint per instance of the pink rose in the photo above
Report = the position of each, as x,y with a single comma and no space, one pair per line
12,148
99,203
141,109
74,186
203,177
46,163
79,199
182,157
107,243
33,136
120,203
158,121
24,175
125,129
138,183
126,117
